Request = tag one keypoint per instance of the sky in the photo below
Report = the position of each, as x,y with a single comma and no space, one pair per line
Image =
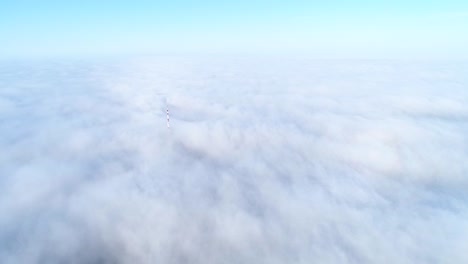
281,158
322,29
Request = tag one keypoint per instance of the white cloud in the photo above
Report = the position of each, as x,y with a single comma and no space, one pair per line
266,161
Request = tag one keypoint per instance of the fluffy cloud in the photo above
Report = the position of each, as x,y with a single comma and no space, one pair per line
267,161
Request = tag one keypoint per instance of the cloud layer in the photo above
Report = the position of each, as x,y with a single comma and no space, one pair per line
267,161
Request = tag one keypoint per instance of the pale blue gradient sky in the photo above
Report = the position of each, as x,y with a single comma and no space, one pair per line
323,29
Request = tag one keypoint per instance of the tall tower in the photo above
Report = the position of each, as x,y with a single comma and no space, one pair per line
167,114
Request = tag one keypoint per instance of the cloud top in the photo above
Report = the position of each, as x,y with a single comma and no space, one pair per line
266,161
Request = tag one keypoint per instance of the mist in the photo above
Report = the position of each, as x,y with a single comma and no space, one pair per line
267,160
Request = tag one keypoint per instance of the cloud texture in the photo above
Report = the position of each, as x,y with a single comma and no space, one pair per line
267,161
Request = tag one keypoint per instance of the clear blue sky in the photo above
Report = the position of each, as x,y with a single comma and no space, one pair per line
335,29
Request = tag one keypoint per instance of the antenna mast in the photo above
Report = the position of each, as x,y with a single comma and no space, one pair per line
167,114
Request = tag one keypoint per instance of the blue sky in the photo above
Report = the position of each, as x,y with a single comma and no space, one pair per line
324,29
